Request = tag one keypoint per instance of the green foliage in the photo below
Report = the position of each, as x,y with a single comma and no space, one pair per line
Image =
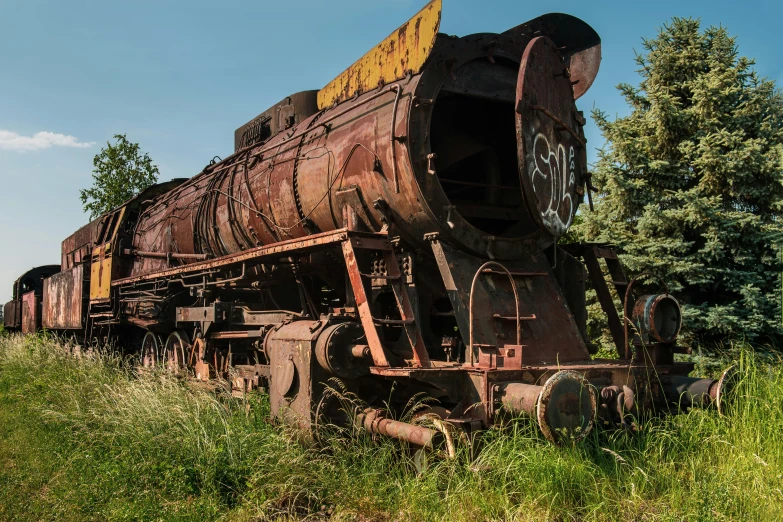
120,172
691,182
83,437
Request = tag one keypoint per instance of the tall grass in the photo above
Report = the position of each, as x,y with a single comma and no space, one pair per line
88,438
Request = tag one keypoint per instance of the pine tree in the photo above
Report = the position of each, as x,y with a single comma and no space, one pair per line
691,183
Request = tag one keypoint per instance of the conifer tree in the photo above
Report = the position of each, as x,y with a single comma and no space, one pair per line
691,183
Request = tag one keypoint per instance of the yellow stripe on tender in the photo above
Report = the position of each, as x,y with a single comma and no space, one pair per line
406,49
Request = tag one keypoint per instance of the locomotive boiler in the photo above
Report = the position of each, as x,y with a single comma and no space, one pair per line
398,230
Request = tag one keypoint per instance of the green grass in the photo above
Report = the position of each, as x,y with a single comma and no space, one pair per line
85,438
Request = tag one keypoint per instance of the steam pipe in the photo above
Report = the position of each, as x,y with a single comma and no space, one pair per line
690,392
165,255
374,422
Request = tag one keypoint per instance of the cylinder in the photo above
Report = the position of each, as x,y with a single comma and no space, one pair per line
564,406
338,352
690,392
374,422
657,318
520,398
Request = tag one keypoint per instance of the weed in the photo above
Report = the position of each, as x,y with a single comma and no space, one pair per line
83,436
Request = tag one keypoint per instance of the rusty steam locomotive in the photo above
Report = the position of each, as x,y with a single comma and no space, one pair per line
398,230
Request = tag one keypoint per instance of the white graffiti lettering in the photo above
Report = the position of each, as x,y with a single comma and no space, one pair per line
555,200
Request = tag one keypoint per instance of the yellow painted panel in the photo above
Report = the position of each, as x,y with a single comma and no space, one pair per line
100,273
95,282
100,269
406,49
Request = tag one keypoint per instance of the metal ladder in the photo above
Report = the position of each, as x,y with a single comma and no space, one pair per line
380,243
591,255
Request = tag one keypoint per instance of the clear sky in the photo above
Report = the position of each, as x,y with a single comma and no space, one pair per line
179,77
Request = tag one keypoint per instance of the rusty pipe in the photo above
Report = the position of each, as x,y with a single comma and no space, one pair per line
395,176
518,398
360,351
657,317
164,255
626,309
690,392
374,422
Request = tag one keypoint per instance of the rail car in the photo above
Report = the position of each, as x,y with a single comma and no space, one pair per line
399,230
23,312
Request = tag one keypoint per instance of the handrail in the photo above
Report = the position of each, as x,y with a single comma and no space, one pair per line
470,306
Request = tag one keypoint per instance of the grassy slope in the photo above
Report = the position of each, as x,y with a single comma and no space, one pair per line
86,439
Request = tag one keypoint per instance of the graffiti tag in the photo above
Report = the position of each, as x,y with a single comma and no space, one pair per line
556,168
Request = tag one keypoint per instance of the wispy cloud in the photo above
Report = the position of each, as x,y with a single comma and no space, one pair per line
40,140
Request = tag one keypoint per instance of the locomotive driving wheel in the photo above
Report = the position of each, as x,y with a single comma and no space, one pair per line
176,352
150,350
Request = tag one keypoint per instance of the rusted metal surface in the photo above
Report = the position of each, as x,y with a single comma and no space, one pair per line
279,117
513,285
688,392
547,334
579,44
177,352
339,354
549,137
624,390
31,282
283,247
518,397
295,385
403,52
564,407
407,316
374,422
666,315
164,255
63,297
377,350
31,313
77,247
657,318
380,145
151,350
616,326
12,314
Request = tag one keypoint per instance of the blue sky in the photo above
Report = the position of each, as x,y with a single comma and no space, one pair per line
179,77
